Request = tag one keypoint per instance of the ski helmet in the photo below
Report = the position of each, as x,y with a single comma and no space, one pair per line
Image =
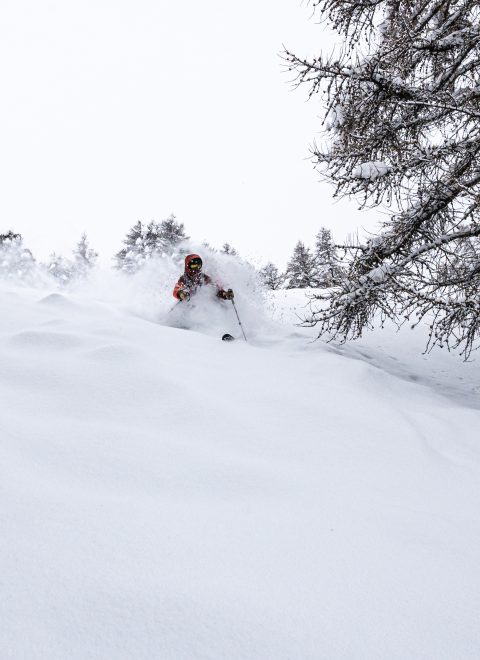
193,263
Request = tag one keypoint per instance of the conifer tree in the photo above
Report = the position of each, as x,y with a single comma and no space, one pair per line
144,242
151,239
133,255
60,268
10,238
209,247
328,271
16,261
84,257
170,234
228,249
271,276
300,272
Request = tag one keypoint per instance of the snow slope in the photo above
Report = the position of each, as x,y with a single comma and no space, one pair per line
401,353
167,496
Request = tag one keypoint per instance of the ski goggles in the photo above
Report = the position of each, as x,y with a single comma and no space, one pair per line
195,264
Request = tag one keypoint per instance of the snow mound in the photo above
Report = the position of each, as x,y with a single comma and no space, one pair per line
57,300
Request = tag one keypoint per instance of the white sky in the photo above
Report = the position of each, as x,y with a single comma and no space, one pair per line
115,111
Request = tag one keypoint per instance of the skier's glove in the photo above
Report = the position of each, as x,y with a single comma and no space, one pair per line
183,295
228,294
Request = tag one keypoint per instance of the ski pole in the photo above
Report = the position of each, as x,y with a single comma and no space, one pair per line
239,322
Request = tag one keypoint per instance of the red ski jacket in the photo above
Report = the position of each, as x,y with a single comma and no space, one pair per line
190,281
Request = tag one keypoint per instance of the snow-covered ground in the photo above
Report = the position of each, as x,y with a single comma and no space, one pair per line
165,495
400,353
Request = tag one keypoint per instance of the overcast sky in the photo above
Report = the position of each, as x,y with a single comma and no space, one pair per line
115,111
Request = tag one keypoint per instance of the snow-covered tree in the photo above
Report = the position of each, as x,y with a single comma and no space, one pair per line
271,276
133,255
10,238
151,243
146,241
228,249
402,120
16,261
328,270
60,268
209,247
171,233
84,257
300,272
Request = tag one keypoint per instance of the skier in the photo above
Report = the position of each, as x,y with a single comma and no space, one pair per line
193,278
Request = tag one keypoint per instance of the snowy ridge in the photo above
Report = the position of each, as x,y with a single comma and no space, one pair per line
168,495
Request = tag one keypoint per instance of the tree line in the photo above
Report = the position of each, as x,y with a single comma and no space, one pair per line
319,267
17,261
